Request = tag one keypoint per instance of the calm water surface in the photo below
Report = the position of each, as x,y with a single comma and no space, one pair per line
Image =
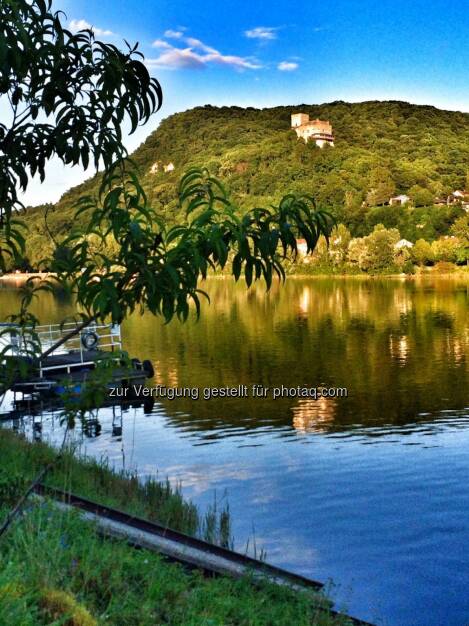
371,490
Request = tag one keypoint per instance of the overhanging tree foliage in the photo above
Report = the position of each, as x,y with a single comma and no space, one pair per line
69,95
159,268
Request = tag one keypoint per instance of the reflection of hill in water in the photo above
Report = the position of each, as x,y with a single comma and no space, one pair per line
400,347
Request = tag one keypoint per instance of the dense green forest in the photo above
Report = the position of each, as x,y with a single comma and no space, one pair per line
381,149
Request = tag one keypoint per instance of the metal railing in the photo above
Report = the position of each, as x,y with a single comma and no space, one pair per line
105,337
108,337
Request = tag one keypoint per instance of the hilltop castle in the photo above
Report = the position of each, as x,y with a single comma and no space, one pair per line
317,130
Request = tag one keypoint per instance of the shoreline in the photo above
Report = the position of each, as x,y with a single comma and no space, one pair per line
20,278
403,277
67,564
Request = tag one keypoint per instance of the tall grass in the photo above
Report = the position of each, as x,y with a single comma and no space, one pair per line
154,499
56,569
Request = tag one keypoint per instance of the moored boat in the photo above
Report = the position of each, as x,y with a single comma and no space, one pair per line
70,357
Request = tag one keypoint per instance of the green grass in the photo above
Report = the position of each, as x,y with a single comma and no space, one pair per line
55,569
153,499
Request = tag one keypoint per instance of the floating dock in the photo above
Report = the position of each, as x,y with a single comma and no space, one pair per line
71,353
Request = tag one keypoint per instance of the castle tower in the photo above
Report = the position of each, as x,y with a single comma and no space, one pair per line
298,119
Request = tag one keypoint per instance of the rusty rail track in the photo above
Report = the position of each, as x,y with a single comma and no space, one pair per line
191,552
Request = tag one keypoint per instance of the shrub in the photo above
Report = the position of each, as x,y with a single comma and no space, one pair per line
444,267
446,249
422,252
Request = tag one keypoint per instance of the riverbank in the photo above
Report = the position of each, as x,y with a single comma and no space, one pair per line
457,275
59,570
305,268
300,270
22,277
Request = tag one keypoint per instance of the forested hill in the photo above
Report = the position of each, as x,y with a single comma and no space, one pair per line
381,149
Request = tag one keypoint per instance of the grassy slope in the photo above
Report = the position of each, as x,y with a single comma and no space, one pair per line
154,500
258,156
55,569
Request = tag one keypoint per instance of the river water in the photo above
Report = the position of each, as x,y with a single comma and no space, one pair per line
369,490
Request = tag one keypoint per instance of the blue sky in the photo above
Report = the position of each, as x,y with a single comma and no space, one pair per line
255,53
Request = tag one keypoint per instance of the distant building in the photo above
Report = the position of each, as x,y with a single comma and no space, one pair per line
154,168
461,198
302,247
319,131
458,197
169,167
302,250
399,200
403,243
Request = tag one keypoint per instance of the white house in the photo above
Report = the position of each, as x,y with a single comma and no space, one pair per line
302,247
458,197
403,243
402,199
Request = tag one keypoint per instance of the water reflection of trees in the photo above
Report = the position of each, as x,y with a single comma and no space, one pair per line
399,346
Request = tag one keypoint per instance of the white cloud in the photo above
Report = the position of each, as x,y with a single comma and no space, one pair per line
264,33
197,55
202,478
287,66
160,43
196,43
177,59
173,34
76,25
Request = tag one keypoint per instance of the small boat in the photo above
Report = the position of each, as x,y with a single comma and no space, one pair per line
70,358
